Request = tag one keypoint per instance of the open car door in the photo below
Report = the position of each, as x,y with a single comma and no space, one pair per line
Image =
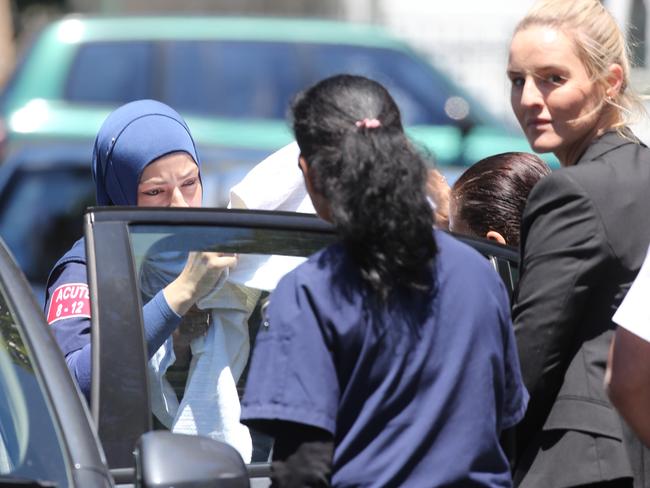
133,253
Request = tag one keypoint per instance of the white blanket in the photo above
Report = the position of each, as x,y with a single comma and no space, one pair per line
274,184
210,405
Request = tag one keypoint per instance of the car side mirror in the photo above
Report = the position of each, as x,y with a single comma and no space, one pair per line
166,460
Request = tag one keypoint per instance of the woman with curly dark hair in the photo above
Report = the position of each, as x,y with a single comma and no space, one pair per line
371,370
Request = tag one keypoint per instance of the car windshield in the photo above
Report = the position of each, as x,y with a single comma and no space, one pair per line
29,445
254,79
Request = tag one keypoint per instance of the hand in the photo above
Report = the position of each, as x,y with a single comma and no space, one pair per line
438,191
199,276
195,323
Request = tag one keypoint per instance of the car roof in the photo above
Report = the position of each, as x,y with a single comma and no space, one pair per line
79,28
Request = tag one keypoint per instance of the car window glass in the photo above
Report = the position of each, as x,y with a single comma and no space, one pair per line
232,312
255,79
38,225
29,445
231,79
259,79
419,91
111,72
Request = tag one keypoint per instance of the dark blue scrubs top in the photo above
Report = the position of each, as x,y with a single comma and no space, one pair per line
413,397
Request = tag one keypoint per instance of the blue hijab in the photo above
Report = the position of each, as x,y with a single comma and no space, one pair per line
130,138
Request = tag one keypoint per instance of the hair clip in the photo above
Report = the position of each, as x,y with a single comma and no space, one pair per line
368,123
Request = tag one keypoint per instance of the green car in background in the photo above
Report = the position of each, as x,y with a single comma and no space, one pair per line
232,79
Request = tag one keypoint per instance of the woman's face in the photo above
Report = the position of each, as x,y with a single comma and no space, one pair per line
170,181
553,98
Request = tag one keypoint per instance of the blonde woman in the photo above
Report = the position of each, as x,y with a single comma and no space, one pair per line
584,234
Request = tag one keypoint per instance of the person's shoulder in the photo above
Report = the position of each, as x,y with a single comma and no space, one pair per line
456,255
315,266
323,264
618,157
450,247
77,253
561,185
623,168
458,266
76,256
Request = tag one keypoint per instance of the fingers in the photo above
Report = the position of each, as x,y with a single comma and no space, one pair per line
197,279
211,260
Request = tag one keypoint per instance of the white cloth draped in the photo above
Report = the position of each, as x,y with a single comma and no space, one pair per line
210,405
274,184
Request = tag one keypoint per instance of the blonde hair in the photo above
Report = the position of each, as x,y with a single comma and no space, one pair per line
599,43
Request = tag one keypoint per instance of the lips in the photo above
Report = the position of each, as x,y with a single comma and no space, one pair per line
537,123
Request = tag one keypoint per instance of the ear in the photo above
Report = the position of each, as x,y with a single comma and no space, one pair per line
302,164
321,205
614,80
493,235
304,167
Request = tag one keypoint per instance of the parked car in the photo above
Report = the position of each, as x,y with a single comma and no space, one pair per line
45,428
232,78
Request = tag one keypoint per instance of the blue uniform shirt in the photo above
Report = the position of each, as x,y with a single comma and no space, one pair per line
67,308
416,397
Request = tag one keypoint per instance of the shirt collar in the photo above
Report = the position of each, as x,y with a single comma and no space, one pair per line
607,142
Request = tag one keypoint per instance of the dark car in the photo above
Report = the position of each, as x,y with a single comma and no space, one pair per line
44,425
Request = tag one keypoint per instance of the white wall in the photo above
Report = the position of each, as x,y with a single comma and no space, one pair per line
468,39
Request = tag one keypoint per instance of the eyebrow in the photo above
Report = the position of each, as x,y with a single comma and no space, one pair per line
157,180
546,67
192,172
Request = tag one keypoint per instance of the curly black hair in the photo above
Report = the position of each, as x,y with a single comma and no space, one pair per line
372,177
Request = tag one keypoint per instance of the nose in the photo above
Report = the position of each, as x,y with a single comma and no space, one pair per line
530,93
178,200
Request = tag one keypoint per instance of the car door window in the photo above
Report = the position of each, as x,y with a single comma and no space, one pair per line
30,448
233,310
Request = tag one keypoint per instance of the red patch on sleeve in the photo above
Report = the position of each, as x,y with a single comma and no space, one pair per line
69,301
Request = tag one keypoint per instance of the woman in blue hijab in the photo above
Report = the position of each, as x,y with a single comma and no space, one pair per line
144,155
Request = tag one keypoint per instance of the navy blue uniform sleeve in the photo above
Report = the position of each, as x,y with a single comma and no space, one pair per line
72,331
292,375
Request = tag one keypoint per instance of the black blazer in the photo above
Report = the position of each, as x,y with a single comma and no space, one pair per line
585,232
